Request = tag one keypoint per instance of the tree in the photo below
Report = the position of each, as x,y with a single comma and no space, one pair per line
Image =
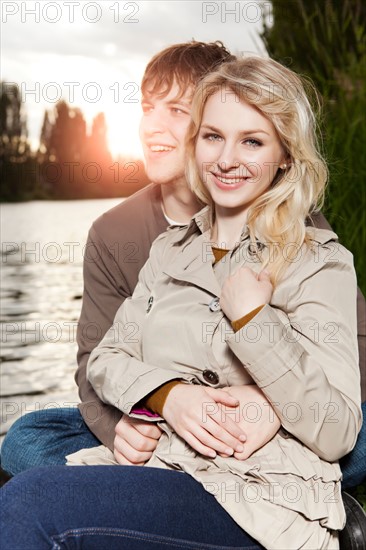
18,168
13,121
69,164
62,143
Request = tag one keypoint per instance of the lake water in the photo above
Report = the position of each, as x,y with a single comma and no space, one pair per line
42,244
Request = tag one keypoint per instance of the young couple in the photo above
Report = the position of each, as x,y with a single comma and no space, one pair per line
222,318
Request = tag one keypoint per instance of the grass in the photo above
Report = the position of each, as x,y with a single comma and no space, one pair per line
345,206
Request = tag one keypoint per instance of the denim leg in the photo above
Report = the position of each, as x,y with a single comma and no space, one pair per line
44,438
114,508
353,465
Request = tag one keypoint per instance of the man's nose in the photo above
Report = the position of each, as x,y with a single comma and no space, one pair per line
155,123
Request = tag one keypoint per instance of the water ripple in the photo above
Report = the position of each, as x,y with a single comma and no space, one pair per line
41,290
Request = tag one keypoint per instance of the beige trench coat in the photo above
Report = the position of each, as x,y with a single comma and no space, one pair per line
301,350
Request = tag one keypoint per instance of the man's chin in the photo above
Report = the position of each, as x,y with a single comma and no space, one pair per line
165,179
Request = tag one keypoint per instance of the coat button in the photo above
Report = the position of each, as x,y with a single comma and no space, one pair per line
210,377
214,305
149,304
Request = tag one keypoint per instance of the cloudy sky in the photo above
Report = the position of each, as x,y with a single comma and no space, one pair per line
93,54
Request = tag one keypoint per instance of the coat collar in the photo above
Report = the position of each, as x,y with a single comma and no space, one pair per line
194,261
202,222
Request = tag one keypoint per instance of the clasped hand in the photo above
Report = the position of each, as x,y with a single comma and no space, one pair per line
193,413
235,424
233,421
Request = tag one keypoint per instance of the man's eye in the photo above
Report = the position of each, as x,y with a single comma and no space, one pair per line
146,108
179,111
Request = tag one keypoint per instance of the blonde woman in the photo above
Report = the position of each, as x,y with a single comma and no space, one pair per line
245,294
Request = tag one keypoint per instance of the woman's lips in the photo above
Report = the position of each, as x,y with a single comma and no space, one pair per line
228,183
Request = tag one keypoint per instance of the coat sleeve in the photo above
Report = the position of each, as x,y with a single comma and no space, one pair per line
318,220
305,360
115,367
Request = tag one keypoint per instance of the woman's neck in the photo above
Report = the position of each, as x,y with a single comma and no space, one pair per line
228,227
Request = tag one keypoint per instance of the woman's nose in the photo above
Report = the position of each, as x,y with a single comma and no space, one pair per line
228,158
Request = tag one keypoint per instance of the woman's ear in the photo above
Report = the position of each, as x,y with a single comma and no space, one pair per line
285,164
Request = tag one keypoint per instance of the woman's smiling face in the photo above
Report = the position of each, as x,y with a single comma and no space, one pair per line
238,152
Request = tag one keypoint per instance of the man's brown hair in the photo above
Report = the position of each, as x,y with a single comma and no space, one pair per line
184,64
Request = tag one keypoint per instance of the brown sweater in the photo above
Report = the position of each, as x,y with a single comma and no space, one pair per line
118,246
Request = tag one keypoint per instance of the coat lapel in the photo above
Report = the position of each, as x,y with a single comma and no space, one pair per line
194,265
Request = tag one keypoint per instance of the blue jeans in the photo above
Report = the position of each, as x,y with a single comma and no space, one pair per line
44,438
114,508
353,465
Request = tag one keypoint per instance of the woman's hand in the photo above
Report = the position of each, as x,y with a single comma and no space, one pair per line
244,291
194,413
256,417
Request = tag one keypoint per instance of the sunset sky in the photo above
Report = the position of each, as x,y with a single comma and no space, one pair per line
93,54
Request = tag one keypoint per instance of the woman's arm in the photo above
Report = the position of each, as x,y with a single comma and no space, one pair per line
306,362
121,378
116,364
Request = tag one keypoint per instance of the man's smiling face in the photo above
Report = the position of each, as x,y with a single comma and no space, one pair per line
163,129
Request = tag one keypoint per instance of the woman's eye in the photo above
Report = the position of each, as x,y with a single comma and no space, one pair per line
253,142
211,137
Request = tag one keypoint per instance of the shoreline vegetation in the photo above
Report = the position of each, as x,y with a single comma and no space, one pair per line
69,163
325,42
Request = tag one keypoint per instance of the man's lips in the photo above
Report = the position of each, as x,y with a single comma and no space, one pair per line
160,148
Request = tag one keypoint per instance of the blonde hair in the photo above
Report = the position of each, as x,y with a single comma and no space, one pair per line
276,218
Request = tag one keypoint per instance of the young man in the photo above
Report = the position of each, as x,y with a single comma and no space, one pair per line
118,246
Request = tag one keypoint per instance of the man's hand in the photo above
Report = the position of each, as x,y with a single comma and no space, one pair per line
193,413
256,418
135,441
